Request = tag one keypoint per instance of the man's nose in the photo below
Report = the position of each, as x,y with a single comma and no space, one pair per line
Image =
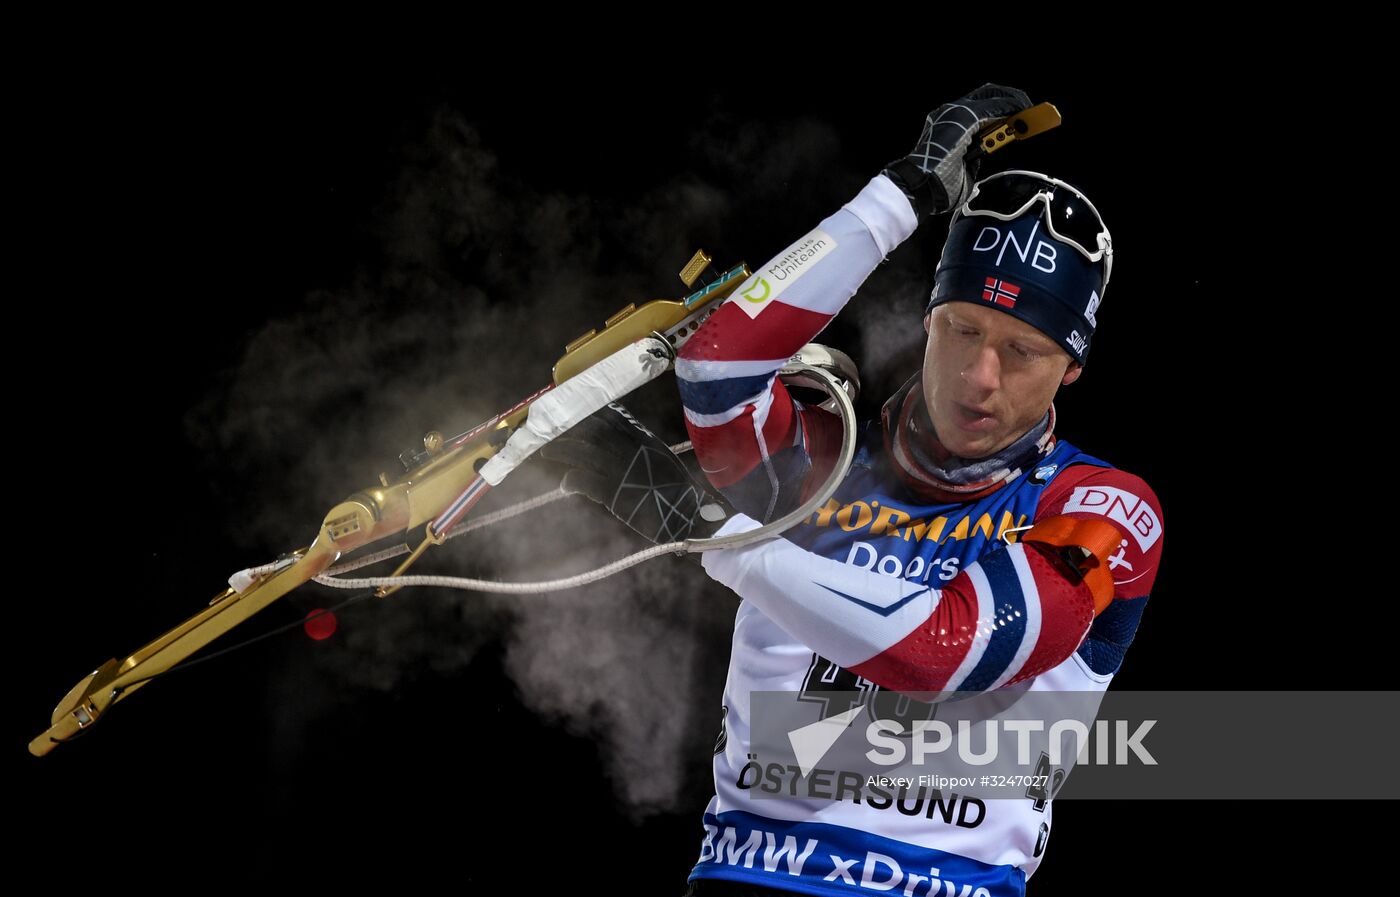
983,370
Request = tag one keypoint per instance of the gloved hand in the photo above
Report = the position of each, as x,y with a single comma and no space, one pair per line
631,472
937,175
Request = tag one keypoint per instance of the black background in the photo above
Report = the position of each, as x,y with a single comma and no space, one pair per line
235,275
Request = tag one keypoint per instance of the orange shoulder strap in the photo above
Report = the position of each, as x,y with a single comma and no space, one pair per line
1099,537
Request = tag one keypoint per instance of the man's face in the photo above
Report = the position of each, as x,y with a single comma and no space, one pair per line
988,377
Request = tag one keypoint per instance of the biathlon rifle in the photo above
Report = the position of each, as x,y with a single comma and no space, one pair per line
440,483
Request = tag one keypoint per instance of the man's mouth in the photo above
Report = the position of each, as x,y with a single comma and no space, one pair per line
974,419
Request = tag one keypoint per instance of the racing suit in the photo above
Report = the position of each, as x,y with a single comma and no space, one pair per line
885,587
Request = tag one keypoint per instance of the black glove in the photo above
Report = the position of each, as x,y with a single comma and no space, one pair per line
937,175
629,470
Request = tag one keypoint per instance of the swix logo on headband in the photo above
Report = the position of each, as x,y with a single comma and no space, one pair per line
1001,292
1043,258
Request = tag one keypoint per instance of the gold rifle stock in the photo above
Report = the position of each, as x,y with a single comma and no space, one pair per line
1023,125
367,516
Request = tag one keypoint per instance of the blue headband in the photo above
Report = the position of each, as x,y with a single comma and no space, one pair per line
1020,268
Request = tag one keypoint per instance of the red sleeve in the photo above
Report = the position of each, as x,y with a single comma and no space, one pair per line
1124,500
933,657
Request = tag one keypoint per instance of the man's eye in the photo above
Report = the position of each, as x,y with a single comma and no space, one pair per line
1023,351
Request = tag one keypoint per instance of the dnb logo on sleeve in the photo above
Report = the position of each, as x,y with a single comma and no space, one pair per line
1127,509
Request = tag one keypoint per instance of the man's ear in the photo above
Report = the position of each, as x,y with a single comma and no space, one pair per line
927,316
1072,373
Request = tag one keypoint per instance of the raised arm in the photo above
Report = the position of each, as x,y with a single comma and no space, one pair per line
754,442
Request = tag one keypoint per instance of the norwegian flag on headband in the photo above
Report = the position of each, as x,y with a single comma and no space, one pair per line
1001,292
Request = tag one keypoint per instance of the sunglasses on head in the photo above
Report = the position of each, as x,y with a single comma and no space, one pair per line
1068,216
